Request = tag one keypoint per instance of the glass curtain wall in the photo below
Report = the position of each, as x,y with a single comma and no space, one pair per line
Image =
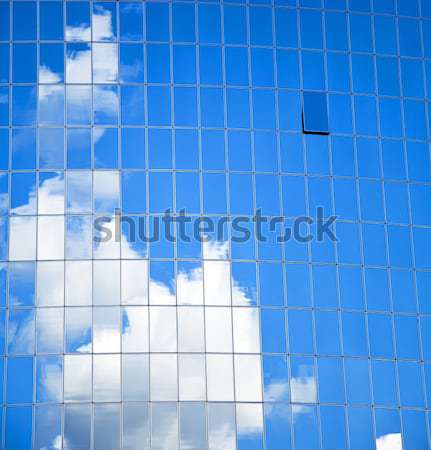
290,108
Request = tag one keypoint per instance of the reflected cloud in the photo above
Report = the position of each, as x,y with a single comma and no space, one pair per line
105,63
78,32
98,133
303,389
105,105
77,377
78,104
50,379
106,191
50,237
46,75
277,390
221,426
213,249
78,282
103,26
248,383
223,436
164,426
4,202
78,192
50,330
78,330
136,425
391,441
24,189
134,329
217,282
161,293
249,421
50,283
78,63
55,445
21,331
134,282
51,105
78,237
51,193
109,249
106,330
190,285
22,241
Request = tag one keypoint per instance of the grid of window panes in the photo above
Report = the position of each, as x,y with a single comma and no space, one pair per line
196,106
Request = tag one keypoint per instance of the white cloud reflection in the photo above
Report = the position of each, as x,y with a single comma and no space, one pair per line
103,27
78,32
51,193
105,63
78,63
277,390
56,444
134,323
46,75
303,389
391,441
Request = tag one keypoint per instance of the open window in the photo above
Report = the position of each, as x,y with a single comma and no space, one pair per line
315,113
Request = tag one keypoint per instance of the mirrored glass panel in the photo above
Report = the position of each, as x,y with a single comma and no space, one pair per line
106,329
107,420
315,117
163,377
164,426
163,329
134,329
50,283
49,379
106,378
191,376
21,331
49,330
77,426
78,282
78,330
22,283
78,378
50,194
135,377
136,426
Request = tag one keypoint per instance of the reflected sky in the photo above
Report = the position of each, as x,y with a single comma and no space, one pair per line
105,63
218,345
104,24
49,374
51,193
78,22
51,65
22,284
78,63
51,105
303,387
390,441
21,332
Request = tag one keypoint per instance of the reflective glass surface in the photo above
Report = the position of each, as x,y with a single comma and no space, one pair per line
310,116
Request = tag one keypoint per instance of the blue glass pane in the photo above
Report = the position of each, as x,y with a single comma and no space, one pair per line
19,419
315,113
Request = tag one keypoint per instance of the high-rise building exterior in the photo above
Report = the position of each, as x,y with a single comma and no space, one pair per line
215,225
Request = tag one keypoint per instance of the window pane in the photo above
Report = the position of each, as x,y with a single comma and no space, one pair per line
315,113
77,378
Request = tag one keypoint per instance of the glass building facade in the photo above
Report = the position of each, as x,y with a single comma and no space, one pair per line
290,108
